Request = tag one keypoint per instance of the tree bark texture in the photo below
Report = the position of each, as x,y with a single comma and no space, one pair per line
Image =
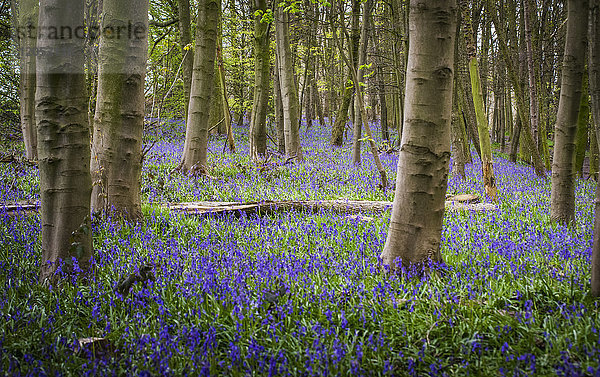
26,34
262,63
594,88
562,196
422,175
116,163
196,135
289,91
63,141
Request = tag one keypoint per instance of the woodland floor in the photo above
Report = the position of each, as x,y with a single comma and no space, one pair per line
299,293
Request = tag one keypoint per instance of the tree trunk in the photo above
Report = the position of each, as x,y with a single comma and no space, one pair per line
416,223
339,126
581,137
220,73
562,195
538,136
362,60
27,24
289,91
187,51
489,180
279,119
262,62
196,135
63,141
594,88
116,164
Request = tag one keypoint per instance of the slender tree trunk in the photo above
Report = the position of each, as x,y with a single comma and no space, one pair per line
116,164
26,35
339,125
220,73
594,88
581,137
262,62
187,51
63,141
279,119
562,196
362,59
289,91
489,180
416,223
318,106
196,136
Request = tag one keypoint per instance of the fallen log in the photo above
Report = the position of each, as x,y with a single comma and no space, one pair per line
271,206
340,206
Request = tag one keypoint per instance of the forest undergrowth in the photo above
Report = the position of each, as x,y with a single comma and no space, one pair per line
302,293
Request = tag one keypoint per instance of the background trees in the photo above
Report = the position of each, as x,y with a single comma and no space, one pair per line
320,59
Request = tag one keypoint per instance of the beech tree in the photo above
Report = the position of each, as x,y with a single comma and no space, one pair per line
562,195
196,135
287,82
262,59
116,163
26,34
594,87
63,139
423,163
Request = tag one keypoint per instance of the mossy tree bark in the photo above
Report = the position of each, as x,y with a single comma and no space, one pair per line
489,181
262,70
422,176
63,141
27,38
196,135
562,195
116,164
594,88
289,90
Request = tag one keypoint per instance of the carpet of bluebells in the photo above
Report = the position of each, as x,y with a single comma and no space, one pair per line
303,294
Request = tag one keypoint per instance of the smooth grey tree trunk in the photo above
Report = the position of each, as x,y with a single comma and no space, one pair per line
423,163
287,81
262,65
562,195
116,163
196,136
63,141
594,88
26,34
